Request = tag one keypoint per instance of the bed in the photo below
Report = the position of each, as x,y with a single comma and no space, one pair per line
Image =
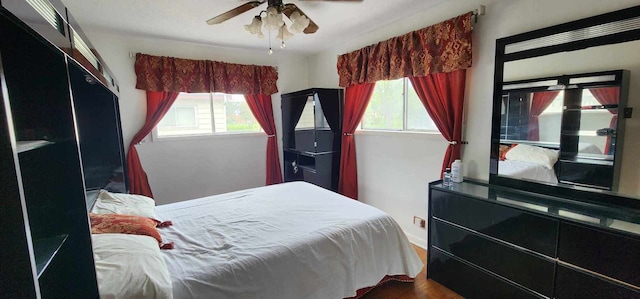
291,240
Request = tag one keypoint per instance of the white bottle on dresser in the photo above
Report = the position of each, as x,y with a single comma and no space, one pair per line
456,171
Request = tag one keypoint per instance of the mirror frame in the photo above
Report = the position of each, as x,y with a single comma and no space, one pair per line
570,192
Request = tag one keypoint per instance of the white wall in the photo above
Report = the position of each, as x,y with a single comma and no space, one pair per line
393,174
503,18
185,169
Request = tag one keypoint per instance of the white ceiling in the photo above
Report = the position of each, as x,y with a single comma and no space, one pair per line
184,20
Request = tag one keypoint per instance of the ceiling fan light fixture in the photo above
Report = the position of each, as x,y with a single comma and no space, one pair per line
299,22
273,19
255,27
283,33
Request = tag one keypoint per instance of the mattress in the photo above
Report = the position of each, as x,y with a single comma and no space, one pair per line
292,240
527,170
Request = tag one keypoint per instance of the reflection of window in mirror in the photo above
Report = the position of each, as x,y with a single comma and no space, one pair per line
578,216
625,226
307,119
545,125
516,116
523,204
598,123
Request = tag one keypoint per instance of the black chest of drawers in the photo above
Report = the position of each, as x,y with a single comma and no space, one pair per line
495,242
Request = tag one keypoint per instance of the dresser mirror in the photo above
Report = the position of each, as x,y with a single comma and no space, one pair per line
566,93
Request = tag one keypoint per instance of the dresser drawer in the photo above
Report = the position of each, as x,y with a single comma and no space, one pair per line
575,284
587,174
469,281
518,266
536,233
610,254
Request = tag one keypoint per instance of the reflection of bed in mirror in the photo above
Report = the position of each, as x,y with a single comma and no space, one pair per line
532,171
527,171
577,115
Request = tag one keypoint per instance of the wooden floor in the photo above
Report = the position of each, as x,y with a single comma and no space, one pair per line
421,288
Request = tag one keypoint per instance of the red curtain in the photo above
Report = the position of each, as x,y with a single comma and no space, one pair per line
261,108
608,96
440,48
539,103
186,75
158,103
356,100
443,96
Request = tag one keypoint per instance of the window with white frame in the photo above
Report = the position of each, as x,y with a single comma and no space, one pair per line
207,114
395,106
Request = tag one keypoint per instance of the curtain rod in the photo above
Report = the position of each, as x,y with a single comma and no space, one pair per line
480,11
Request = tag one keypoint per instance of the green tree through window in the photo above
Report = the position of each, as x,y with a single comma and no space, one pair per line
395,106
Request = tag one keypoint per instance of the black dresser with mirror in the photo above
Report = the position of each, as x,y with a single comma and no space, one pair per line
574,233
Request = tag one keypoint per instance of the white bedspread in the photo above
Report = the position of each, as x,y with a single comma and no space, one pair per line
292,240
527,170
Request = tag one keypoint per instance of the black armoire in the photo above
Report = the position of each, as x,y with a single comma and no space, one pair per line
60,138
312,129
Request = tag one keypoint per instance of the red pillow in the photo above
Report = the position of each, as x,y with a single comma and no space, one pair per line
504,149
124,224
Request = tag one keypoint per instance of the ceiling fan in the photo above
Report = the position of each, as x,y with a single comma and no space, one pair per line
272,5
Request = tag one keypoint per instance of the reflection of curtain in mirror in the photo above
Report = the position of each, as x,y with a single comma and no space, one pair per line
608,96
539,103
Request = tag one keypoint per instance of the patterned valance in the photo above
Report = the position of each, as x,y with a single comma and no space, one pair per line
441,48
169,74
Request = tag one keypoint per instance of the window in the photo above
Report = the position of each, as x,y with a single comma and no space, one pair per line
307,118
587,99
180,117
395,106
207,114
312,116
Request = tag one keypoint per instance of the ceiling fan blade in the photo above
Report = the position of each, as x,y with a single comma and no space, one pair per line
234,12
289,8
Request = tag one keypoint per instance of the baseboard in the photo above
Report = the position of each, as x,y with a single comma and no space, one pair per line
420,242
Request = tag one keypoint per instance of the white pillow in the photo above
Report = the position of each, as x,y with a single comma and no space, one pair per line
534,154
120,203
130,266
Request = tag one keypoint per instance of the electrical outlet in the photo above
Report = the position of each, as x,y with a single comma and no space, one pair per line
419,222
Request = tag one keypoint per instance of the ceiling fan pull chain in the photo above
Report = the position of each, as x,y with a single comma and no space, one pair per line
270,50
